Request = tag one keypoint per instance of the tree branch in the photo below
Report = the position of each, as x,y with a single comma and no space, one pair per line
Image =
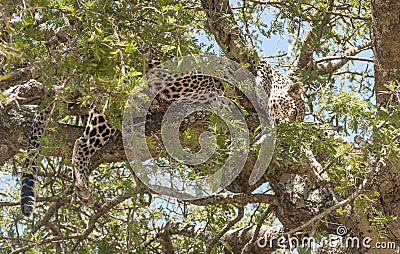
236,238
103,210
233,198
336,62
311,41
225,229
53,209
184,229
265,214
18,76
267,2
226,31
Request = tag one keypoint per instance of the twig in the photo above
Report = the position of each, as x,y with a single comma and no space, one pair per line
229,225
53,209
265,214
103,210
329,58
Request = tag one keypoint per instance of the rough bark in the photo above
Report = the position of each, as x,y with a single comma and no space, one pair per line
386,48
226,31
15,126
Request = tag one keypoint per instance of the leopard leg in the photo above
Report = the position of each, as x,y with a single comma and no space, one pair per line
80,161
97,133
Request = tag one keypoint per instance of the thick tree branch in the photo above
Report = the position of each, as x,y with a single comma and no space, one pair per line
16,123
233,198
373,169
226,31
30,92
267,2
336,62
184,229
236,238
18,76
311,41
264,215
241,237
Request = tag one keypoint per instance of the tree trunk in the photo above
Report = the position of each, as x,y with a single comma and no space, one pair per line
386,45
386,48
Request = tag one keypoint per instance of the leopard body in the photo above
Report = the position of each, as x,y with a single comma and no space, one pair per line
284,103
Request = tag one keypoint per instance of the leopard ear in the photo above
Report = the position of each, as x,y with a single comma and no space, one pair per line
296,89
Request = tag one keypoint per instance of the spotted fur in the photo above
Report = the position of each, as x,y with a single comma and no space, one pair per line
97,133
285,97
29,174
284,101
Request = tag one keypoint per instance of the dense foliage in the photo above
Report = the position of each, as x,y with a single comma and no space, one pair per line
96,52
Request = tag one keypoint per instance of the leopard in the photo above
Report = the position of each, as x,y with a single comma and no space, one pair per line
284,103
